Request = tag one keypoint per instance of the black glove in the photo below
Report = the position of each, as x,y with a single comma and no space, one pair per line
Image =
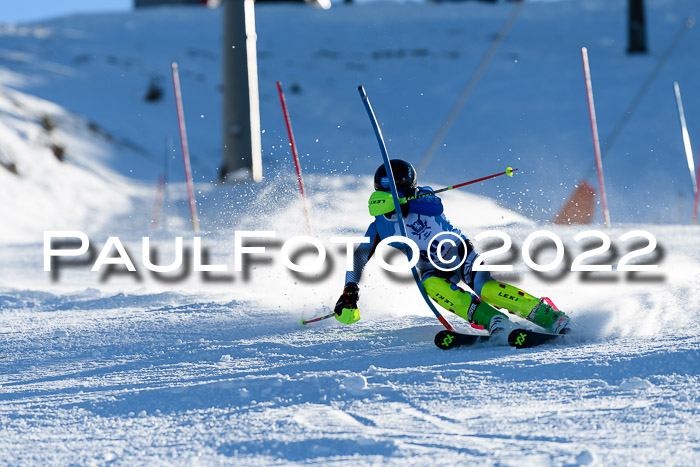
346,310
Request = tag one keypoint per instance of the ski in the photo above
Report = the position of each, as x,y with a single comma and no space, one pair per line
450,339
519,338
526,338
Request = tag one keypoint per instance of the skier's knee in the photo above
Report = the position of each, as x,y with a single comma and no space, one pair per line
447,294
480,278
461,302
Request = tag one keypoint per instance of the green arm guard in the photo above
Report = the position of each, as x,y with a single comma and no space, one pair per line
381,202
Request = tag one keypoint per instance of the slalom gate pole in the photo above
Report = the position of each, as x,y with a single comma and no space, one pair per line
295,154
166,169
594,130
686,137
394,194
627,114
464,97
185,147
159,202
304,322
687,24
162,193
695,209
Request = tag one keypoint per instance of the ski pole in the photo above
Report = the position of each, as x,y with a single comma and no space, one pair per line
377,201
509,171
304,322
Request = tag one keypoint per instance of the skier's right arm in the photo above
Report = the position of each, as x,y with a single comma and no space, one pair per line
362,254
346,310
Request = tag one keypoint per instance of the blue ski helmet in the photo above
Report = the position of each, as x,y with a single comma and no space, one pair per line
404,175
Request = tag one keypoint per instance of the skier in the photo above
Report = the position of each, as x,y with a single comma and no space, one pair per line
424,219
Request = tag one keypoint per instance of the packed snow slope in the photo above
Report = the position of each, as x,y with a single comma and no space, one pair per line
210,372
213,368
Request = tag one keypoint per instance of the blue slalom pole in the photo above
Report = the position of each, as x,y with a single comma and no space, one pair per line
397,206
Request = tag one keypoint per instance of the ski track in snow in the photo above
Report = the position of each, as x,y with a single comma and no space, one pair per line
139,376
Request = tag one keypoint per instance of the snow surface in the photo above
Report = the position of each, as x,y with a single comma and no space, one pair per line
100,368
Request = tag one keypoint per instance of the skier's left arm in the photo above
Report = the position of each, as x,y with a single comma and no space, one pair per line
381,203
429,205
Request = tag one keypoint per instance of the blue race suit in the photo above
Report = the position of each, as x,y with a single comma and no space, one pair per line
424,220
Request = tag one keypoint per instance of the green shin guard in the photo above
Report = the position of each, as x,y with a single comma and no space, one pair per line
461,303
511,298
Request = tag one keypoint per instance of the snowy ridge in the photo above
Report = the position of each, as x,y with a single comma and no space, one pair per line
53,174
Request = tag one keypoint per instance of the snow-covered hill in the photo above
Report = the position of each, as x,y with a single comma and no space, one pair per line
57,174
529,109
135,369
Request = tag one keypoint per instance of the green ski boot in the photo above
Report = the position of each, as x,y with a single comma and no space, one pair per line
542,312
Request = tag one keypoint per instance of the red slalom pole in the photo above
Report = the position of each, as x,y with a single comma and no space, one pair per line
596,139
295,154
185,147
